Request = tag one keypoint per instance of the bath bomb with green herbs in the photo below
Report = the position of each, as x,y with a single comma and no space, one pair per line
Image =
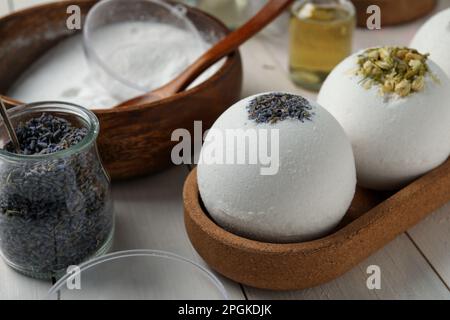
393,104
304,178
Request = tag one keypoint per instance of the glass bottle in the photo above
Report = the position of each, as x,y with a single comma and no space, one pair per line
55,209
321,34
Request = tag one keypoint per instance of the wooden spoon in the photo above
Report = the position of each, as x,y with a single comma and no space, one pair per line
220,50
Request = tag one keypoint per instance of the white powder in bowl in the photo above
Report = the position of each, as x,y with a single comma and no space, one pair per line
149,53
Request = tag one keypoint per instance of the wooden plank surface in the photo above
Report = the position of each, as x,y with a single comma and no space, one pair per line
432,237
405,274
15,286
149,215
149,210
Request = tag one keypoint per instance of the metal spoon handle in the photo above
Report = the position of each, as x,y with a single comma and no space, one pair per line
9,126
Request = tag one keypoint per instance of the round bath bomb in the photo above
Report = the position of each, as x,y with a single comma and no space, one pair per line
434,37
291,178
393,104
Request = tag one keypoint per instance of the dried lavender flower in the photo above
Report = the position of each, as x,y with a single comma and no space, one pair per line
274,107
46,134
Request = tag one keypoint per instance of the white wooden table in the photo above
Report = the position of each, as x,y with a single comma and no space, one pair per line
149,210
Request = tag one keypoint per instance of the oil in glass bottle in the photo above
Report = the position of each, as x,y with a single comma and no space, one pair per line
321,34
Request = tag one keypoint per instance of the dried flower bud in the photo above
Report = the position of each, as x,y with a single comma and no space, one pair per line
384,65
396,70
402,53
389,86
367,66
418,84
414,56
384,53
403,88
415,65
374,54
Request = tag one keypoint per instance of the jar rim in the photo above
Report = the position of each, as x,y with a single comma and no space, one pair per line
87,115
347,3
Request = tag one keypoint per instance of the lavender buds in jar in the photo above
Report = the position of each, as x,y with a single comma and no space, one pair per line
55,202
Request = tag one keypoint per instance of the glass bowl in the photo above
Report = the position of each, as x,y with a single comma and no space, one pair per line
139,275
122,44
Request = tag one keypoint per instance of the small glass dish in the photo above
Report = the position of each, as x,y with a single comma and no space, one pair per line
139,275
123,52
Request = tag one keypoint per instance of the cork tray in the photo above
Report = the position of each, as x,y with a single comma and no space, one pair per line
373,220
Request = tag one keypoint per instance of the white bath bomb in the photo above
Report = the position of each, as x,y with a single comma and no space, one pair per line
306,197
434,38
395,140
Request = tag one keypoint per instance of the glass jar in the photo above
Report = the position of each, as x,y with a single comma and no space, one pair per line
56,209
321,34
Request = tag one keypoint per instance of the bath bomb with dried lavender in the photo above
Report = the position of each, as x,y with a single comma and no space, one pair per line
434,37
300,194
393,105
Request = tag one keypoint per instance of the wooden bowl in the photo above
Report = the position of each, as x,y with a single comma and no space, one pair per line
136,140
394,11
373,220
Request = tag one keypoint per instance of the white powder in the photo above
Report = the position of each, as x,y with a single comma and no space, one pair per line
146,53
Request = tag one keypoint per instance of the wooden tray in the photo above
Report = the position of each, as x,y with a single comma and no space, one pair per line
373,220
136,140
394,11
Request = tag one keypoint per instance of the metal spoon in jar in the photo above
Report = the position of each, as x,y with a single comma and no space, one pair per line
9,126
